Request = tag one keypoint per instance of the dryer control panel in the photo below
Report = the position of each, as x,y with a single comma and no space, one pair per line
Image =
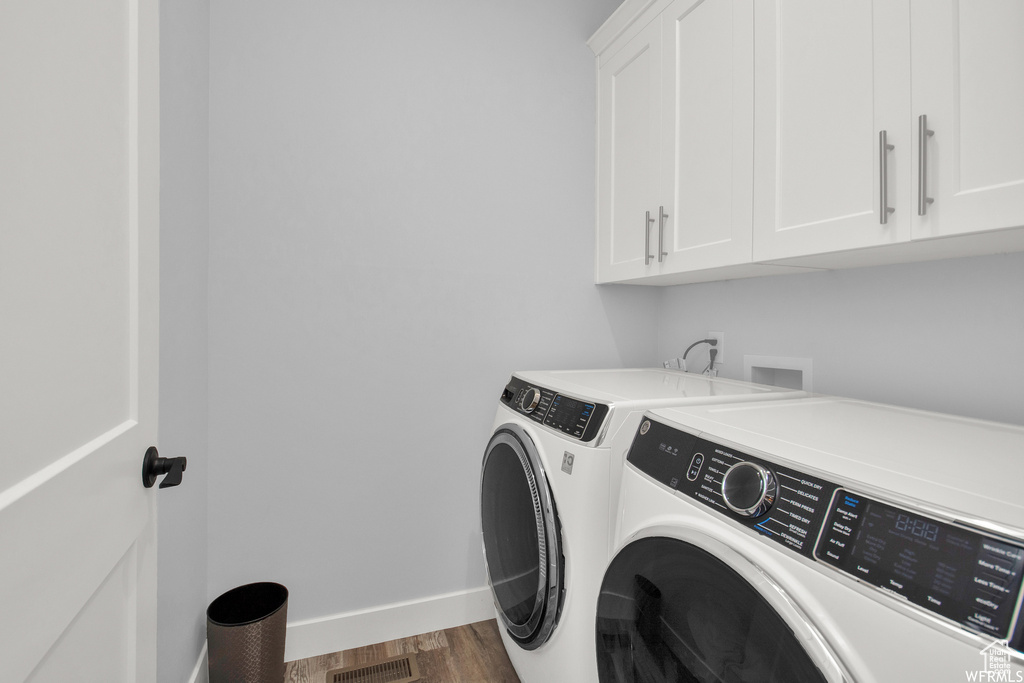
698,468
961,574
574,417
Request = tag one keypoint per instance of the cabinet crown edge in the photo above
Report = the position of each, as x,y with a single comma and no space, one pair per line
622,18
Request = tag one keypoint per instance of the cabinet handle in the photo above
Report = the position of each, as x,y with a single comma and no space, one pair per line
661,234
883,177
923,200
648,256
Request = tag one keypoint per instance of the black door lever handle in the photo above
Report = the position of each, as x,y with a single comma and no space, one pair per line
154,466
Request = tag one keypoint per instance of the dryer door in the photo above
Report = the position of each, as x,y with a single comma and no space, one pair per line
672,611
522,537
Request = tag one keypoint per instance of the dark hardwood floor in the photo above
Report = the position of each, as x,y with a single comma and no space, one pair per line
466,654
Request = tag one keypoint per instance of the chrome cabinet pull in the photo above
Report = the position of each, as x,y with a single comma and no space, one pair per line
883,178
923,200
661,234
648,256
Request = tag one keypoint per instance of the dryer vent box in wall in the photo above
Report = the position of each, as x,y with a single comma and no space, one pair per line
791,373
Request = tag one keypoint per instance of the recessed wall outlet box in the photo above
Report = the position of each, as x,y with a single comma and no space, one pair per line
720,358
789,373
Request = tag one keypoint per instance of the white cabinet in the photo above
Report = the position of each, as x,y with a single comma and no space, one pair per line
741,137
831,77
629,157
968,80
675,152
707,123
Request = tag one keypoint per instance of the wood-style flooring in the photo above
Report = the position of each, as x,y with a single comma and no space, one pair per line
466,654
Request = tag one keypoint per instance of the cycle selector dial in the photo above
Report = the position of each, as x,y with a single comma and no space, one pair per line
529,400
749,489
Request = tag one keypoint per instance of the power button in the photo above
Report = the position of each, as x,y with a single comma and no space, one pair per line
695,464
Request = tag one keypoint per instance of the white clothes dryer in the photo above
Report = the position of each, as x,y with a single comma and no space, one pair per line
549,480
824,539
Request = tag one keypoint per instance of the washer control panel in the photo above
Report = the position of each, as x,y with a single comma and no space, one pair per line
968,577
577,418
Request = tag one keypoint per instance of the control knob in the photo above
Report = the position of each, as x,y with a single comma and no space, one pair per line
749,489
529,400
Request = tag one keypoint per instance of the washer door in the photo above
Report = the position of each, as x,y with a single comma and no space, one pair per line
522,537
672,611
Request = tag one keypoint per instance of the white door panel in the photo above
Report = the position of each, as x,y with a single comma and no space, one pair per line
629,149
830,77
78,353
969,83
826,97
106,624
709,129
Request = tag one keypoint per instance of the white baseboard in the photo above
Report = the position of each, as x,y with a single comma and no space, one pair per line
388,622
201,674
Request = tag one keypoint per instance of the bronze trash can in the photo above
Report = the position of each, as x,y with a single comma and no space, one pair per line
245,630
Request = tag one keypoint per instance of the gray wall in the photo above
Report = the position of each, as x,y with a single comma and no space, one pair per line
184,218
401,214
945,335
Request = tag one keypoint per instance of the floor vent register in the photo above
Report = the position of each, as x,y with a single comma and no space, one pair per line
401,669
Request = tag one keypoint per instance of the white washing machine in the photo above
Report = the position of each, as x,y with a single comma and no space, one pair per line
549,480
824,539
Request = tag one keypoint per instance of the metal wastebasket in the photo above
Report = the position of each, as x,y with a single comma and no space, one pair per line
245,631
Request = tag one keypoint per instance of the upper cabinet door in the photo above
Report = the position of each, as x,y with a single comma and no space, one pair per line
968,80
629,149
708,122
830,77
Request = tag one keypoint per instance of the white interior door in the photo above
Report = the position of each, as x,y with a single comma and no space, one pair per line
79,192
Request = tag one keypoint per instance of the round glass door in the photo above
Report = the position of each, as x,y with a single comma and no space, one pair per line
670,611
522,537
